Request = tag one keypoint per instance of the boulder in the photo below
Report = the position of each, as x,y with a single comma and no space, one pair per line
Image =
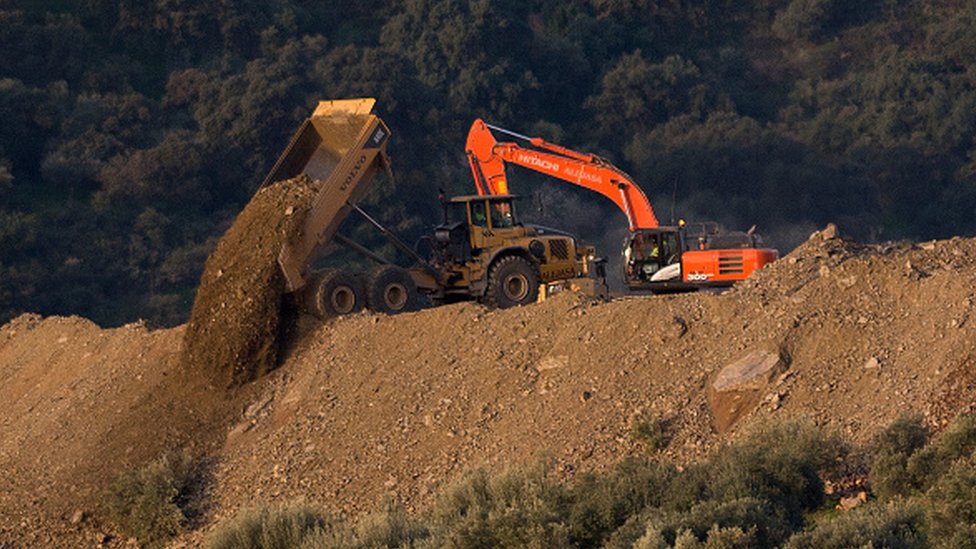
738,387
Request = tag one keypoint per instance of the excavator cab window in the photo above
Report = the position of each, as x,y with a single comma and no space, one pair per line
670,248
648,252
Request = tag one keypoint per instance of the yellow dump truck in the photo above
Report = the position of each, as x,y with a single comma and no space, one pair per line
480,250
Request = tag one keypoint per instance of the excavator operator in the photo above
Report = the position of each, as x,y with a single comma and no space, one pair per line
643,256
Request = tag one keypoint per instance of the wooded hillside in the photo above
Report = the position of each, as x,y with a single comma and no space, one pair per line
132,133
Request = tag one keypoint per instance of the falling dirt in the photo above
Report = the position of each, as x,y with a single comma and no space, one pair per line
234,328
367,407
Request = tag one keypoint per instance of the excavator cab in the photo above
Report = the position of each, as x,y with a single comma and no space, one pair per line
472,223
648,254
689,256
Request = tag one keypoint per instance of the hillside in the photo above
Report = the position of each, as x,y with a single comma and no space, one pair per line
133,134
368,405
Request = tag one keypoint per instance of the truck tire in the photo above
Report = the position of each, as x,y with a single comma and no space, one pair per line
512,280
332,293
391,290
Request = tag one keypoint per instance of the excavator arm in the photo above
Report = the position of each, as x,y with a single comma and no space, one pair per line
488,157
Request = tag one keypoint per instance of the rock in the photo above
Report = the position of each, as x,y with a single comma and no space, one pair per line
678,327
913,272
753,371
738,387
257,407
872,363
552,362
827,233
77,516
848,503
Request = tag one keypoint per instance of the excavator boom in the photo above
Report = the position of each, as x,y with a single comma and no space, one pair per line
487,158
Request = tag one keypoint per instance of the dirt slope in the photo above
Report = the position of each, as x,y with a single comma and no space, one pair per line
370,405
81,404
398,405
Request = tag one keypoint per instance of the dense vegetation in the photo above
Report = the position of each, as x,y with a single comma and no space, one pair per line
133,132
766,490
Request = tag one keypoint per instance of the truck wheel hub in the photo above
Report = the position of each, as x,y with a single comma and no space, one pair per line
395,296
516,287
343,300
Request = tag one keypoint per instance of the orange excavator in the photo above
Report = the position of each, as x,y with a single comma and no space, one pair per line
656,258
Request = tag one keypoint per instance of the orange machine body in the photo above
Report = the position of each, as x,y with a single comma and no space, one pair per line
723,267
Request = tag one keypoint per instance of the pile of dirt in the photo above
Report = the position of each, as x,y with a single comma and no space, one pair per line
82,404
368,406
373,406
234,327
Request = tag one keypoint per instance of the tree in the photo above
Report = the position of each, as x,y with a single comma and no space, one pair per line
802,19
637,95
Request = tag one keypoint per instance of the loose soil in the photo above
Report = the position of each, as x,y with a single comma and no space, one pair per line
81,404
370,406
234,329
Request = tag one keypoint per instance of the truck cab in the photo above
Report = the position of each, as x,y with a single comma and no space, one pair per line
481,233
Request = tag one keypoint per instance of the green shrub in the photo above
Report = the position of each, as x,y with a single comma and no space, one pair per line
630,531
748,521
778,464
716,538
952,506
650,430
801,19
152,503
753,492
390,528
756,520
601,504
892,449
903,464
905,435
928,464
897,525
269,528
513,508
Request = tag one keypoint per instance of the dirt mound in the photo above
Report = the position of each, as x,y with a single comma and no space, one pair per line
370,406
82,404
234,326
373,406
